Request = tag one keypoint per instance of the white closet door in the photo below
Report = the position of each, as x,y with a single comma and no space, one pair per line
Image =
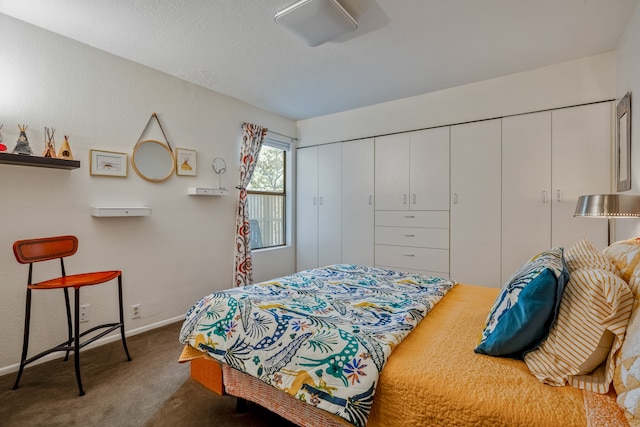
475,208
526,189
307,208
357,202
392,172
581,165
429,169
329,207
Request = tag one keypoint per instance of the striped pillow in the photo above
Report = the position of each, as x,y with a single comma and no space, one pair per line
594,301
584,255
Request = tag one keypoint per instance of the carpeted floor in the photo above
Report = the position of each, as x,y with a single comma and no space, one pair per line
151,390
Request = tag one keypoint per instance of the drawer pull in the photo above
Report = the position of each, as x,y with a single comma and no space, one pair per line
409,254
409,216
409,235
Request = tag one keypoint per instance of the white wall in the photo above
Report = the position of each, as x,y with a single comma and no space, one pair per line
183,251
628,80
571,83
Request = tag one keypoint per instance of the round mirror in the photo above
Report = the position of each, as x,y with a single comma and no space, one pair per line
219,165
152,160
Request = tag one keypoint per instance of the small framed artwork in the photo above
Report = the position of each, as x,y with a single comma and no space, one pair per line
185,162
623,143
107,163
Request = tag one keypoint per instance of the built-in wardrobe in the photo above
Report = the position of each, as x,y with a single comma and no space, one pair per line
470,201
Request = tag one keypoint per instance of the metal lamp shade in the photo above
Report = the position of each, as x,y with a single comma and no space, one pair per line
608,206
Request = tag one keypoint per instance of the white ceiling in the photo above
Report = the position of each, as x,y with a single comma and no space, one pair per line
401,48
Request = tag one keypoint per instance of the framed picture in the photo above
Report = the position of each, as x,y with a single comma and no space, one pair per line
623,143
107,163
185,162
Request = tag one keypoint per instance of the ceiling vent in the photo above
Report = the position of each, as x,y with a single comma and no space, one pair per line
316,21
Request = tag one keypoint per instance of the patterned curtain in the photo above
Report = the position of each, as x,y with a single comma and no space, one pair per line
252,137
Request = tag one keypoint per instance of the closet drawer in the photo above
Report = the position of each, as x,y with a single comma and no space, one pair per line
425,259
411,270
433,219
437,238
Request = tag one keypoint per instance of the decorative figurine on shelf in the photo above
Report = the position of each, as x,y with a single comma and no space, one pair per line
49,143
22,146
65,150
2,146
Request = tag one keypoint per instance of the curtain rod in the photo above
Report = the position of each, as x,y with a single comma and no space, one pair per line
277,133
280,134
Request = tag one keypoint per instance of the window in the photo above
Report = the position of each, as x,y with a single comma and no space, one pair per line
266,196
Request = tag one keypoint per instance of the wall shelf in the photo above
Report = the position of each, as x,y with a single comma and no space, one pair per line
201,191
41,162
115,212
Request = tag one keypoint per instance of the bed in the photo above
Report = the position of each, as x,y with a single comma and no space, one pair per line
431,377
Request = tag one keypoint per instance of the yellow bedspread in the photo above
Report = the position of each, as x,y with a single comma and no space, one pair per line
433,378
459,387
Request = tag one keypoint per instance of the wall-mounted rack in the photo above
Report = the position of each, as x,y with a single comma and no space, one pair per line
41,162
201,191
116,211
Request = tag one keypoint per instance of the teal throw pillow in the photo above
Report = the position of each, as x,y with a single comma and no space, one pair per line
526,308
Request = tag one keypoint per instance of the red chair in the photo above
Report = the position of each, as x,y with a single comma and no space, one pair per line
49,248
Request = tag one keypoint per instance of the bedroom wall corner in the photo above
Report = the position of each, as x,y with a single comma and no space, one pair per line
170,259
628,80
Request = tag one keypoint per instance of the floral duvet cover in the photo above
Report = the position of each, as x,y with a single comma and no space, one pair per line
321,335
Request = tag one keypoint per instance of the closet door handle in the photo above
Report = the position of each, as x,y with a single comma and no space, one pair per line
455,198
559,196
404,199
413,198
315,201
544,196
370,200
321,201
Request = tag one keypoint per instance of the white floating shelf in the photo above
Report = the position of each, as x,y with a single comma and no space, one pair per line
110,211
201,191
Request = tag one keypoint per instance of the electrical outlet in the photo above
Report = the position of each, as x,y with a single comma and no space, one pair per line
84,312
136,311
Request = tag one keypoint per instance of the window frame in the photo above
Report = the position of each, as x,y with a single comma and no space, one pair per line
285,148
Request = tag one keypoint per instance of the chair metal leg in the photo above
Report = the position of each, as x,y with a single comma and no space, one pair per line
25,339
124,340
69,326
76,343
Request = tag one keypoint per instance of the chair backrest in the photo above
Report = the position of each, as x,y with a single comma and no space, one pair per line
44,249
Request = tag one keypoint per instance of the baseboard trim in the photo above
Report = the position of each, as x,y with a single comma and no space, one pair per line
102,341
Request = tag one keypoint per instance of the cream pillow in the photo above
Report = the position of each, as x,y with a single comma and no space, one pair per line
625,255
594,301
626,380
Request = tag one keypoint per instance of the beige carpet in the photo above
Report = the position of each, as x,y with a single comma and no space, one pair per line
151,390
